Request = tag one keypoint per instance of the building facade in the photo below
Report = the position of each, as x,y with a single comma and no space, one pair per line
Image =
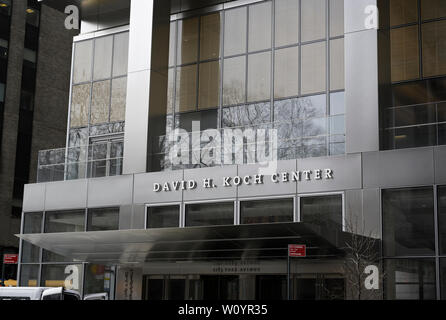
33,90
204,137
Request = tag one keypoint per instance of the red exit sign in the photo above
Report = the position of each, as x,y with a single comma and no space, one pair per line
10,258
297,250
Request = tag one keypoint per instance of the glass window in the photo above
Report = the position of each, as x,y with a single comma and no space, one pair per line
209,214
103,219
442,219
206,118
120,54
409,116
259,27
250,115
286,22
83,58
337,81
187,41
103,50
405,53
209,87
100,102
30,253
419,136
163,217
186,89
313,20
80,105
286,73
443,278
313,68
29,275
67,276
65,221
337,18
434,48
234,81
432,9
118,99
235,31
403,12
171,91
322,210
49,256
337,103
172,43
32,222
210,36
408,222
337,125
409,279
259,76
98,279
266,211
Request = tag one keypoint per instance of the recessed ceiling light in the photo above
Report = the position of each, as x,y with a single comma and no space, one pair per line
29,10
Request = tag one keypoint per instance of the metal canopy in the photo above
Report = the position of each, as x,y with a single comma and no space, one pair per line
191,244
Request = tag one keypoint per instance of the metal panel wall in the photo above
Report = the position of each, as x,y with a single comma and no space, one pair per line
110,191
66,195
34,197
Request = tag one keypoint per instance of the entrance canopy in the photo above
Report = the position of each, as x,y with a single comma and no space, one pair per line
191,244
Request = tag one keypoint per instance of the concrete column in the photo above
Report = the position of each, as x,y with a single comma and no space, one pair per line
361,78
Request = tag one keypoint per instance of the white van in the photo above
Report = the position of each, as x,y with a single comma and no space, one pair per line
43,293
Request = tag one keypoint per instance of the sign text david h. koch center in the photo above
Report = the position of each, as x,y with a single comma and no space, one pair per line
283,177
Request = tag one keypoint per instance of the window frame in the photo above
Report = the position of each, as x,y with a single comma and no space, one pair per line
160,205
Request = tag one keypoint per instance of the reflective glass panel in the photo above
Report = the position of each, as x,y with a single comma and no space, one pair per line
234,81
313,68
336,18
337,77
98,279
286,72
409,279
65,221
103,219
80,105
403,12
250,115
405,53
432,9
118,99
442,219
209,214
408,222
29,275
266,211
163,217
323,211
259,26
210,27
32,222
209,87
120,54
100,102
187,41
186,89
313,20
259,76
434,48
286,22
103,51
83,59
235,31
30,253
67,276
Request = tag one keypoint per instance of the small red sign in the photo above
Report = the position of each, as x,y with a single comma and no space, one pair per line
10,258
297,250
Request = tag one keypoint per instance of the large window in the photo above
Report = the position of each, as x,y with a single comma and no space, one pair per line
408,222
32,222
322,210
163,217
416,68
442,219
60,275
409,279
99,87
266,211
99,279
209,214
270,54
65,221
103,219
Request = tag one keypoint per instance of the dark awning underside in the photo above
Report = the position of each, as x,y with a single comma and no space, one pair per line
189,244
